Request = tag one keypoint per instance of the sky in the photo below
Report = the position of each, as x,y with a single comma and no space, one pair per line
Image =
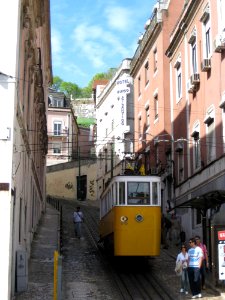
92,36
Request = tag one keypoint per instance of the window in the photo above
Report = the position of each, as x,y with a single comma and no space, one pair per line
56,148
147,113
155,193
180,166
155,57
139,127
210,135
139,85
179,81
156,106
57,102
121,193
194,58
207,48
196,148
57,128
206,32
138,193
146,73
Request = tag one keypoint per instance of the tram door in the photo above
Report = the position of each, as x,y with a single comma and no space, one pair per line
81,187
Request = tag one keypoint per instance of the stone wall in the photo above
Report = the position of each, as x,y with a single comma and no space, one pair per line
61,179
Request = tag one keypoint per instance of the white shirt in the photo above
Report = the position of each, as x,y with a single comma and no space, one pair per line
195,256
183,258
78,216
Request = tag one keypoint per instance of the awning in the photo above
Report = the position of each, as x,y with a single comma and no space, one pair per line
213,199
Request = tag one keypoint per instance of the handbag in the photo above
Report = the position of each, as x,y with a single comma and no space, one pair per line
178,268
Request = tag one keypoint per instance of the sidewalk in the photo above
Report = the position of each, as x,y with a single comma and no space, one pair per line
41,263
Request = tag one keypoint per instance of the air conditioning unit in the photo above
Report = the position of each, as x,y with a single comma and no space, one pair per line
205,15
206,64
179,147
190,86
219,43
195,78
154,171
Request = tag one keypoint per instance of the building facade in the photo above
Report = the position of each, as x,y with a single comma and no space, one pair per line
25,74
196,53
153,137
62,129
115,119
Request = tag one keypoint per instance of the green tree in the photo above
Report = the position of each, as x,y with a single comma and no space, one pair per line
70,89
57,81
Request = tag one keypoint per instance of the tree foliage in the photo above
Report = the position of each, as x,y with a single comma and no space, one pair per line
72,89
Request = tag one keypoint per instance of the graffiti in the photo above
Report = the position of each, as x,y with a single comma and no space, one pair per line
91,188
69,185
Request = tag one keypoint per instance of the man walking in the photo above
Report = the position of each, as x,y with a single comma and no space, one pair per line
205,261
78,218
195,257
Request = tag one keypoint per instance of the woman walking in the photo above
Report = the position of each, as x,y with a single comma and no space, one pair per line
182,258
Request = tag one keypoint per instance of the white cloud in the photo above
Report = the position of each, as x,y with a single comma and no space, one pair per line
97,44
119,18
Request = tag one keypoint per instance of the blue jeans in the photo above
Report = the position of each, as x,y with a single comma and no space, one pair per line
184,280
78,229
194,280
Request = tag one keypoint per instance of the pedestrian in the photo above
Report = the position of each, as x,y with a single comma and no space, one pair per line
205,261
182,258
195,257
78,218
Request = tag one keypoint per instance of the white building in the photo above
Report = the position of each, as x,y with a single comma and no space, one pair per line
25,73
115,117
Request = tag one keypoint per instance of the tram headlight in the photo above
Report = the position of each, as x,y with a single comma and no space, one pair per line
139,218
123,219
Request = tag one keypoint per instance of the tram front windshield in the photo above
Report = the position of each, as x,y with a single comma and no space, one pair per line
138,193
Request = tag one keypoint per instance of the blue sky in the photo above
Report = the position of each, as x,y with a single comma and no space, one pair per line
92,36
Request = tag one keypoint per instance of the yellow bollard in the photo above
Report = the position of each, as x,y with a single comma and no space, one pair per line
56,256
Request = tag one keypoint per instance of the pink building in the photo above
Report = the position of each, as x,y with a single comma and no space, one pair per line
197,69
62,129
151,73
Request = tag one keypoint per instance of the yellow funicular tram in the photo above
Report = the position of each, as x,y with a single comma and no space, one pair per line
130,215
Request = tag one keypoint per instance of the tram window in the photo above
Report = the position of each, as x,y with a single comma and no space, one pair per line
113,195
116,187
122,193
155,195
138,193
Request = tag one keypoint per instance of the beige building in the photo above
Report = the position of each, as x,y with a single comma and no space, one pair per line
25,74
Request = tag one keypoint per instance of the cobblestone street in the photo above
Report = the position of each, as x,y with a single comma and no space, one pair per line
85,276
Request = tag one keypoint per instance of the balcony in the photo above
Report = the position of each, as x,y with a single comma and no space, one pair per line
206,65
219,43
